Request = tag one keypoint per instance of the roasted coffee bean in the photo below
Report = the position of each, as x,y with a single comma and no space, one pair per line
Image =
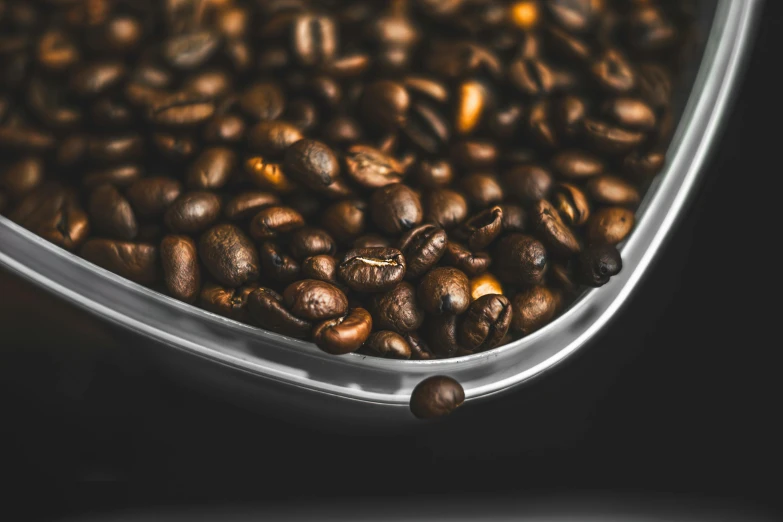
445,207
419,349
395,209
482,229
229,255
264,101
22,176
212,169
574,15
371,168
527,183
53,213
313,39
152,196
181,110
462,258
611,190
474,155
345,220
533,309
135,261
427,128
321,267
94,79
644,165
648,29
176,148
549,226
485,284
610,225
385,105
423,246
597,264
312,163
228,302
115,149
111,214
308,242
306,203
611,139
481,190
486,323
276,265
57,51
631,113
613,73
571,204
26,140
372,269
436,397
441,333
341,131
388,344
266,309
471,102
224,128
111,114
181,273
514,218
655,85
576,165
316,300
397,309
271,222
444,290
210,84
268,176
524,15
520,259
371,240
248,204
541,124
531,76
190,50
344,334
433,174
272,138
192,212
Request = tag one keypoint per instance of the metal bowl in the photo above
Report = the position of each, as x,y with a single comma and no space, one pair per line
291,376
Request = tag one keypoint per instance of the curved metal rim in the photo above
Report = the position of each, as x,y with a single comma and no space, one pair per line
729,40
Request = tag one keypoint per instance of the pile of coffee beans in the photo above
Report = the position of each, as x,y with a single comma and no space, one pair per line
410,179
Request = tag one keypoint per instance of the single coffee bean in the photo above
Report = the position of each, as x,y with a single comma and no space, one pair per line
505,121
571,204
610,225
424,246
307,242
549,226
655,85
57,51
371,168
271,222
436,397
321,267
531,76
419,349
485,284
482,190
313,39
644,165
520,259
272,138
527,183
569,114
397,309
229,255
597,264
316,300
276,265
482,229
388,344
648,28
433,174
370,241
514,218
345,220
567,46
53,213
312,163
181,273
96,78
444,290
344,334
631,113
471,101
263,101
474,155
611,139
248,204
427,128
115,149
574,15
151,197
395,209
611,190
541,124
227,302
442,335
209,83
224,128
341,131
175,147
445,208
266,309
28,140
111,114
533,309
111,214
181,110
576,165
190,50
385,105
460,257
372,269
212,169
613,73
268,176
135,261
22,177
192,212
486,323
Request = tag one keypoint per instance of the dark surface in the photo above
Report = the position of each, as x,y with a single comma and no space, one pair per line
680,394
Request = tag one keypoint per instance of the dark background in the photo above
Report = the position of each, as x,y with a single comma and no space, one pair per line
680,394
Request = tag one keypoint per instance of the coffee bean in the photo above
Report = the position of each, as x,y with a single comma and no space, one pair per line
209,84
266,309
190,50
465,260
372,269
436,397
482,190
53,213
345,220
388,344
531,76
316,300
441,333
541,124
571,204
371,168
175,147
613,73
648,29
272,138
631,113
610,225
212,169
271,222
527,183
115,149
611,139
419,349
97,78
181,110
597,263
307,242
344,334
433,174
574,15
445,207
397,309
395,209
181,273
485,284
264,101
486,323
22,176
520,259
321,267
424,246
312,163
341,131
549,226
268,176
28,140
576,165
276,265
514,218
426,128
644,165
111,214
229,255
135,261
224,128
57,51
371,240
151,197
482,229
314,39
611,190
471,102
533,309
474,155
227,302
192,212
385,105
248,204
444,290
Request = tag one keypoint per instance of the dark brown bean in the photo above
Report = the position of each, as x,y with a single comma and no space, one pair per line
486,323
22,176
397,309
111,213
181,110
436,397
344,334
96,78
315,300
271,222
644,165
481,190
278,266
396,208
442,336
385,105
514,218
424,246
371,168
520,259
613,73
611,190
212,169
224,128
312,163
248,204
372,269
549,226
388,344
527,183
631,113
610,225
151,197
611,139
445,207
576,165
192,212
313,39
533,309
434,174
227,302
115,149
53,213
462,258
181,273
474,155
190,50
571,204
307,242
597,264
266,309
135,261
229,255
444,290
482,229
320,267
345,220
272,138
264,101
